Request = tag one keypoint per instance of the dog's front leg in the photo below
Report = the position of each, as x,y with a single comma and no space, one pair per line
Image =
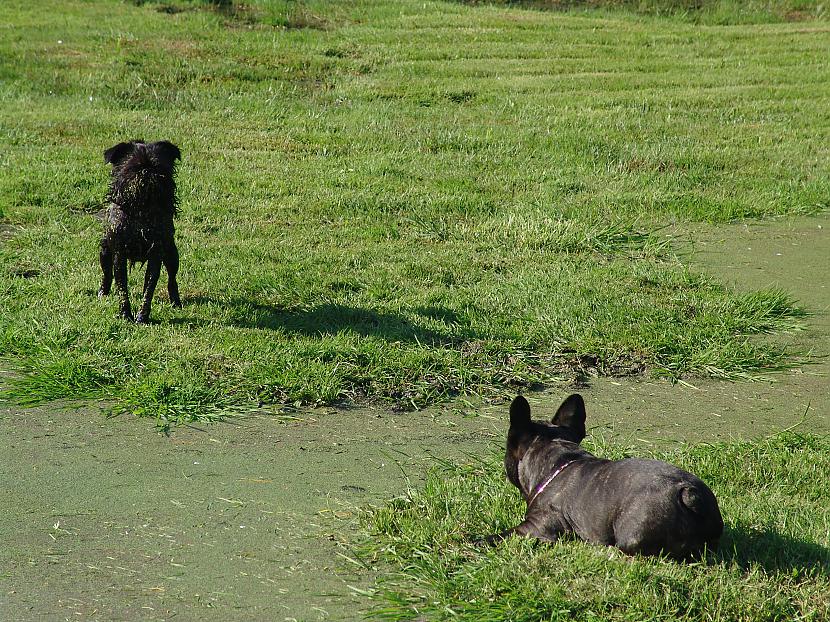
119,264
151,278
525,528
105,257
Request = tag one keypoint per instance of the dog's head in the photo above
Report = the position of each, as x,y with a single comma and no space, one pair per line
568,424
137,155
142,174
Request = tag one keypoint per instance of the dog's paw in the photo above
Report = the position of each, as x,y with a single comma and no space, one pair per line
102,292
488,541
142,319
177,304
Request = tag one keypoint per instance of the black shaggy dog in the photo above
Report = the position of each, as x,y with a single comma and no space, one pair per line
139,221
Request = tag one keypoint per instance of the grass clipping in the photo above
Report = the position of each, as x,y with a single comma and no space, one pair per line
773,562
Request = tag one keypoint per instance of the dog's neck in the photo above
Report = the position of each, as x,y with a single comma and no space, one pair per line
543,462
540,488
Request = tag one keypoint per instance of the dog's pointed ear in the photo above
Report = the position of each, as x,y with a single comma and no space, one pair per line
169,150
116,154
519,413
571,415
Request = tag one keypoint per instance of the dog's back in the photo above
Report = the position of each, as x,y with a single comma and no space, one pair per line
660,508
139,220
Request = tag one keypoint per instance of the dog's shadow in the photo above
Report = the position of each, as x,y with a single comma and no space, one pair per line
332,318
748,546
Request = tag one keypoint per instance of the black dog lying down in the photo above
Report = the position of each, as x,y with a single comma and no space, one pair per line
139,221
640,506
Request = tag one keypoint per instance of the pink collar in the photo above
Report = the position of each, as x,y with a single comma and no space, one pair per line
541,487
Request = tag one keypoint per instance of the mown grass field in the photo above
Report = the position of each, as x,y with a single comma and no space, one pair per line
773,562
399,200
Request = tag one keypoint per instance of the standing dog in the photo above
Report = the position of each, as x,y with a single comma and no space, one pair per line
139,221
640,506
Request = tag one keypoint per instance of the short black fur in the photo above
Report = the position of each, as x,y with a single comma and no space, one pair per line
640,506
139,226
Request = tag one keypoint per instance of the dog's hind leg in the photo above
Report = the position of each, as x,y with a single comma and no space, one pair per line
105,257
171,264
119,263
151,279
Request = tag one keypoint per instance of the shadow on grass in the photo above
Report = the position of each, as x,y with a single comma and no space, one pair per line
747,546
332,318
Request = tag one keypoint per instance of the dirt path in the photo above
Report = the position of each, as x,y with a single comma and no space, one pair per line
105,519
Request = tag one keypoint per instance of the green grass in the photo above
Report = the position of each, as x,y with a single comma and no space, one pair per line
773,562
397,200
696,11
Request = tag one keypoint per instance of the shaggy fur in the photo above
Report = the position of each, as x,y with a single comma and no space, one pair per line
139,221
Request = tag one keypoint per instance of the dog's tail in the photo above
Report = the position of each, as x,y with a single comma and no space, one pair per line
702,504
694,499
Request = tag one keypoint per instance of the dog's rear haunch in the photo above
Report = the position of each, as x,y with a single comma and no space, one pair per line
640,506
139,221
